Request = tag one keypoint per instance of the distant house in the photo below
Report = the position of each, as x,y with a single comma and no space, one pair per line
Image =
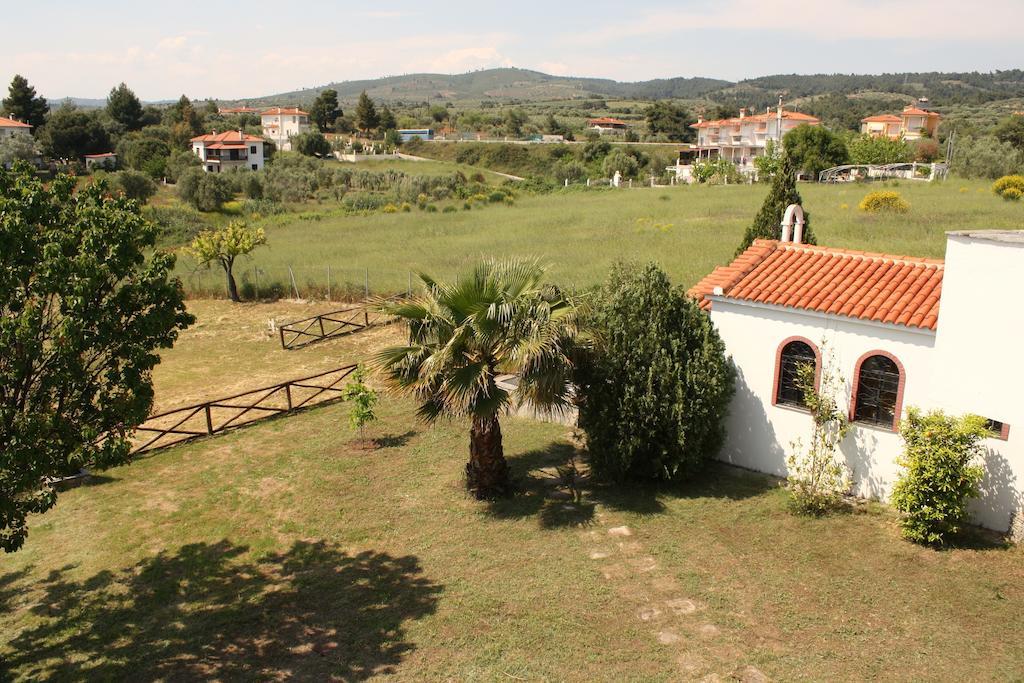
741,139
233,149
901,331
605,125
107,161
914,122
407,134
9,127
238,110
281,124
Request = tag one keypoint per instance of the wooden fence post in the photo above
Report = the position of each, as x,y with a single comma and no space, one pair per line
288,394
281,332
321,321
209,420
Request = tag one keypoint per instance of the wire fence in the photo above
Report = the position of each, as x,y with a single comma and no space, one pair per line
323,283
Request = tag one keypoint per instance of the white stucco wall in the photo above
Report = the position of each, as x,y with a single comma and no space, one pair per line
973,364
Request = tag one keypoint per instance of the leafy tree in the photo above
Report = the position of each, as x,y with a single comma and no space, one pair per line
367,118
387,119
183,115
325,110
180,161
942,472
439,113
768,164
783,192
311,144
515,119
986,157
619,161
363,399
1011,131
596,149
816,477
502,318
654,389
134,185
124,107
814,148
204,191
84,302
71,133
866,149
670,120
146,154
17,147
392,138
224,246
23,103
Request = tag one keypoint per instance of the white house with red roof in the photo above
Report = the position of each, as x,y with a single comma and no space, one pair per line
607,125
231,149
9,127
281,124
901,331
914,122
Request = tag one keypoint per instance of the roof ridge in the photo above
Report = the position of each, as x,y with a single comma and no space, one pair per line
868,255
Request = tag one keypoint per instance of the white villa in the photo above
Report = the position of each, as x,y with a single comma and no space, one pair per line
10,127
740,139
914,122
233,149
281,124
901,331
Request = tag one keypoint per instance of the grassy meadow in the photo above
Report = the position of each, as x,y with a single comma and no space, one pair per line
687,229
290,550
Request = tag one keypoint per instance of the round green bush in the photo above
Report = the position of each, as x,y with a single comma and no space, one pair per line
884,201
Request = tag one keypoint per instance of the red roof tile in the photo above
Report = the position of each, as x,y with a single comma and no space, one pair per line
757,118
276,111
902,290
11,123
881,118
604,120
228,136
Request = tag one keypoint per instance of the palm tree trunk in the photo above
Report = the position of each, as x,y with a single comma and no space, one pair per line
487,472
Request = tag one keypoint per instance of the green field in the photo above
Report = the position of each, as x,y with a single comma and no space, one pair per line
687,229
290,551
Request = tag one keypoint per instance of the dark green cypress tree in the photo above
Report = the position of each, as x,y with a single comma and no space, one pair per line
783,192
23,103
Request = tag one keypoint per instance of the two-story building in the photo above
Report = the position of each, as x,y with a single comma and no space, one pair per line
899,331
9,127
742,138
914,122
280,124
232,149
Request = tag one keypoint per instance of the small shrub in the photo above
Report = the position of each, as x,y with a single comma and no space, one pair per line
390,208
941,474
232,208
363,399
1012,194
1007,184
496,197
134,185
406,207
204,191
884,201
430,208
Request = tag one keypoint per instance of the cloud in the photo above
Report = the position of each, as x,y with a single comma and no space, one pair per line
467,59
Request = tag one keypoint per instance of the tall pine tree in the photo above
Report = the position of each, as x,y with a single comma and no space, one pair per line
124,107
783,192
367,118
23,104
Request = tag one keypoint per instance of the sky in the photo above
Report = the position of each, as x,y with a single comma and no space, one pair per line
231,50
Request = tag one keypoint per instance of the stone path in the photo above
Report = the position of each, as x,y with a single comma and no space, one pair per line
676,621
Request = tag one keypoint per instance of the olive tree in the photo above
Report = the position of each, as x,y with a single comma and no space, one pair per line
84,303
224,246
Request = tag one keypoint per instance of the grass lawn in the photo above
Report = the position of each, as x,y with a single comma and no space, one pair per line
431,168
689,230
286,550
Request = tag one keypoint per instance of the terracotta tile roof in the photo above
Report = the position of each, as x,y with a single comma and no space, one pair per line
914,111
902,290
11,123
228,136
105,155
757,118
881,118
289,111
237,110
604,120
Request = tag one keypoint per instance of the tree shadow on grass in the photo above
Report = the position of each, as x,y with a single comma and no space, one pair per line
207,611
537,489
394,440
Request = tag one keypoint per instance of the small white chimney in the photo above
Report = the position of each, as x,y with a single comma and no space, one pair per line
793,224
700,118
743,112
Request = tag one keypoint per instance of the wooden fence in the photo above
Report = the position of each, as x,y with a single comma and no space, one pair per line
299,333
212,417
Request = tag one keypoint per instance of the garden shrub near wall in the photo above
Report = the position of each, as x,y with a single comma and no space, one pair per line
654,389
942,472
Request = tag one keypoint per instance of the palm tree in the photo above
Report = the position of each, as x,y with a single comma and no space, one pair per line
502,319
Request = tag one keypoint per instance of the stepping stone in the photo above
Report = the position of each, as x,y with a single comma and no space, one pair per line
709,630
749,674
648,613
599,555
681,606
620,531
668,637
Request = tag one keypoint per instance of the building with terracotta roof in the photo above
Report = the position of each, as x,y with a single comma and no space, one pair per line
901,331
281,124
231,149
914,122
605,125
107,161
743,138
238,110
9,127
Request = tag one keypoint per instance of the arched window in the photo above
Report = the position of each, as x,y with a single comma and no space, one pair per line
792,354
878,392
